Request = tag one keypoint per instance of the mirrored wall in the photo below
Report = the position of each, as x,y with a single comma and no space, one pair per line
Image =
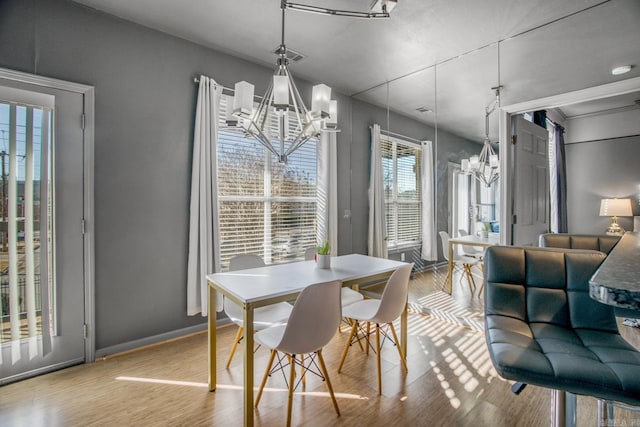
448,102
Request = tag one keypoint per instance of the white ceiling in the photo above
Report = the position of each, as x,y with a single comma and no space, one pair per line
534,48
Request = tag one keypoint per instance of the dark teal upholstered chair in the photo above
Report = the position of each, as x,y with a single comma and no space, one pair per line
602,243
542,328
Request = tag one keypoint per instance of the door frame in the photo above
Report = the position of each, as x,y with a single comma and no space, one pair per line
506,152
88,93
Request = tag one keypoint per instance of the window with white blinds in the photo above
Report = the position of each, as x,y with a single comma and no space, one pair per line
265,207
403,195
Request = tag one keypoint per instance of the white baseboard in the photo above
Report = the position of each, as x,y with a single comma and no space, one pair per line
154,339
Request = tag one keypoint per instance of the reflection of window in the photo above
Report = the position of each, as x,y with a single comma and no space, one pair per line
265,207
402,192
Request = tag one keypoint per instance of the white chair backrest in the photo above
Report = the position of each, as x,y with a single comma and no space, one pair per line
244,261
394,296
240,262
314,319
310,254
444,237
467,249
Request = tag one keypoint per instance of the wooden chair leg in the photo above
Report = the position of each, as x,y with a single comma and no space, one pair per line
236,340
354,329
378,359
323,367
470,280
398,346
266,374
302,371
292,377
368,334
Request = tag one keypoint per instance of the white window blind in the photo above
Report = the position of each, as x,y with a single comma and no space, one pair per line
266,208
403,196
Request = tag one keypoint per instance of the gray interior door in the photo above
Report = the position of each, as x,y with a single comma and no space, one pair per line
41,253
531,189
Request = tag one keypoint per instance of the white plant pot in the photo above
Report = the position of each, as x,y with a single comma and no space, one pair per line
323,261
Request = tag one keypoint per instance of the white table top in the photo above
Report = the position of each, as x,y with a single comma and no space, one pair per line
493,239
256,284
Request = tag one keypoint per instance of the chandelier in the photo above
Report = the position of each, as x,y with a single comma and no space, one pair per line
281,122
486,166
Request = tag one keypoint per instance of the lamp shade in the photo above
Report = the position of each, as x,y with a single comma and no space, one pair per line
243,99
281,92
616,207
320,101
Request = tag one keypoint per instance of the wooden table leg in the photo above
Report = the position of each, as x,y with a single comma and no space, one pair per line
211,334
404,326
449,281
248,365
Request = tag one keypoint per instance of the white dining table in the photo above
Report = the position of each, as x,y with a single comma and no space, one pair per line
258,287
469,240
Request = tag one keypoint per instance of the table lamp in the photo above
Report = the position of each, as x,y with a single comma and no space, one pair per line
615,208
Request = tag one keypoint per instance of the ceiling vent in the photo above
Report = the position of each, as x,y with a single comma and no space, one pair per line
292,55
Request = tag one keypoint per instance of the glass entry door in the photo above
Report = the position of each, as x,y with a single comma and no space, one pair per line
41,241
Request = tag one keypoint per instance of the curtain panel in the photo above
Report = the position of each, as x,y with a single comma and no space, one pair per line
377,242
561,179
327,191
203,213
429,243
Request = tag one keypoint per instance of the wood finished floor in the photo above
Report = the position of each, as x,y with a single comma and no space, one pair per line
450,382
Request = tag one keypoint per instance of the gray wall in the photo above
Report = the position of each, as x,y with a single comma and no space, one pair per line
598,170
145,101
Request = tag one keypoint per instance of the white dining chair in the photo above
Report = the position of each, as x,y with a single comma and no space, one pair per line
474,252
349,296
469,250
466,262
263,317
382,312
313,322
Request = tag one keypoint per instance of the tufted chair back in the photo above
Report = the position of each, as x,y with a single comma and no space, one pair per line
592,242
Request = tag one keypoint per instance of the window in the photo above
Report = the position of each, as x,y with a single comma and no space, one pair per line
265,207
403,198
24,130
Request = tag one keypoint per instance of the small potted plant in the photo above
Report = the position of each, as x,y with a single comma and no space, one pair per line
484,233
323,257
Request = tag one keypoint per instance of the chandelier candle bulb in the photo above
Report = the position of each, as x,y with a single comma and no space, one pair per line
332,121
493,161
243,99
229,118
281,93
320,101
474,162
464,165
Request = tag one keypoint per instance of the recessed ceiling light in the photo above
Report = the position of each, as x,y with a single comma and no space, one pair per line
621,70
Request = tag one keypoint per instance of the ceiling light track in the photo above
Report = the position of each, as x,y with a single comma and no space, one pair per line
379,9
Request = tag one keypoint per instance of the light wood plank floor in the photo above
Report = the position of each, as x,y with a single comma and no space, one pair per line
450,382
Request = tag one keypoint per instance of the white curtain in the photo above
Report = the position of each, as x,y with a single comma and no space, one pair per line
327,207
203,220
429,249
377,222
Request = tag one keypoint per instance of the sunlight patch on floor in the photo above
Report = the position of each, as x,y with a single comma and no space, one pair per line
239,388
